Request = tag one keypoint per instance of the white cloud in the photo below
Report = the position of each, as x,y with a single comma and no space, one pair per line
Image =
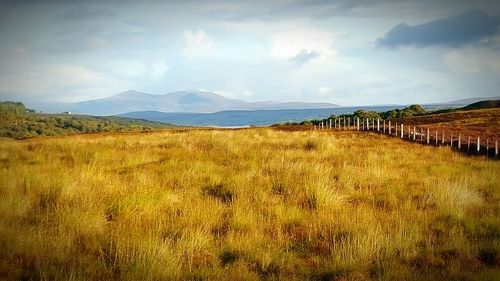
198,43
287,44
63,82
467,62
324,91
458,62
126,68
96,43
158,70
234,95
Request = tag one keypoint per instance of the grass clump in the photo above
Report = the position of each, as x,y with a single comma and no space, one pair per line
219,192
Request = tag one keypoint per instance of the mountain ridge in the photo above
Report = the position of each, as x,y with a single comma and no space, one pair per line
182,101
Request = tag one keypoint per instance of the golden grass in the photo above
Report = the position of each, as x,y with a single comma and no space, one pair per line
245,205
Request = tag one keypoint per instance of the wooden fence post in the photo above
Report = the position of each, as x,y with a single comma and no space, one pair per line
414,133
428,137
468,144
330,120
396,128
478,145
384,126
443,139
421,135
348,121
436,137
459,141
402,131
451,139
409,132
487,146
496,148
378,125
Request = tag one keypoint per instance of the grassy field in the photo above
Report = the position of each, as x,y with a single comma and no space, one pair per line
245,205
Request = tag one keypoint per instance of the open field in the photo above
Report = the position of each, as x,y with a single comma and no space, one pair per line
245,205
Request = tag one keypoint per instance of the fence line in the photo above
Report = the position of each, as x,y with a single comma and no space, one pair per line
423,136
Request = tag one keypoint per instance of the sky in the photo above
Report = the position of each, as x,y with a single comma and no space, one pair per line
358,52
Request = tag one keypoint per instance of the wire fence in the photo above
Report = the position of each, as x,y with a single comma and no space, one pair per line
464,142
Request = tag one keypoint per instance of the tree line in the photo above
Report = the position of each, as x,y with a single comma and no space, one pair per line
19,122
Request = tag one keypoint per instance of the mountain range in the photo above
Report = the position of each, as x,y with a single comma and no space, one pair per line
202,108
182,101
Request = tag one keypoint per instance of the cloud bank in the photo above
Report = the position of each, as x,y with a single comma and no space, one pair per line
454,31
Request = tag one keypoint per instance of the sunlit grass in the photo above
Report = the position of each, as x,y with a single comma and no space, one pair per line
245,204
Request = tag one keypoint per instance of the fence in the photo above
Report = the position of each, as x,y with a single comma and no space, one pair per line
459,141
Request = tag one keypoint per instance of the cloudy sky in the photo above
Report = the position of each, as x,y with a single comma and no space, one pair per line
355,52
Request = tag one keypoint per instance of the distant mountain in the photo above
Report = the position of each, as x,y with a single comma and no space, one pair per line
248,117
183,101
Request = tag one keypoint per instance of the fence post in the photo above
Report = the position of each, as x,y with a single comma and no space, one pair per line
451,139
409,132
402,131
478,145
468,144
436,137
348,121
396,128
487,146
384,126
378,125
443,139
428,138
314,127
496,148
459,141
389,127
421,135
414,133
330,119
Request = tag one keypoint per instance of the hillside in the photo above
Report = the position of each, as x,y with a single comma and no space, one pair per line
484,123
18,122
254,204
484,104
